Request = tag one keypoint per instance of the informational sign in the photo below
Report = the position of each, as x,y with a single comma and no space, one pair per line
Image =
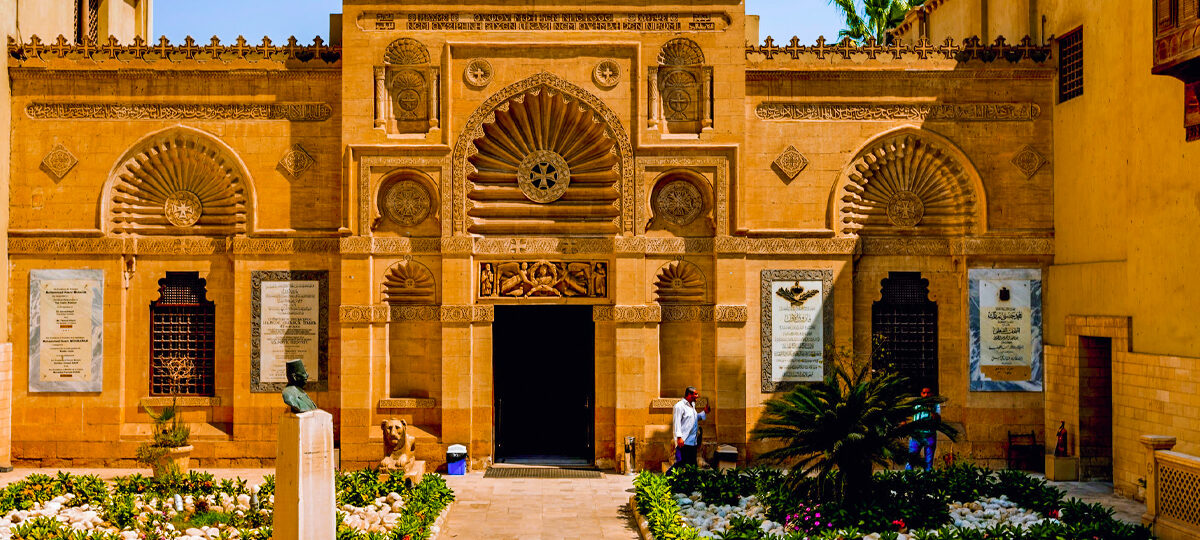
290,322
1006,329
795,326
66,330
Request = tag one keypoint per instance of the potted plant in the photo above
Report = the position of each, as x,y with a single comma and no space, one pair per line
169,451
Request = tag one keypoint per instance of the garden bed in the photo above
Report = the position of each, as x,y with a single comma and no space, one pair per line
959,502
197,507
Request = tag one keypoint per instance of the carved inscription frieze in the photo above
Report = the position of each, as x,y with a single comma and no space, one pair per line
295,112
924,112
542,22
543,279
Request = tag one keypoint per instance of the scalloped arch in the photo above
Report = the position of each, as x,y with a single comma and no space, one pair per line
406,52
409,282
681,51
597,111
909,180
679,282
178,181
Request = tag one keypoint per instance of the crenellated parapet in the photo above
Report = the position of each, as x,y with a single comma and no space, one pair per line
971,49
35,51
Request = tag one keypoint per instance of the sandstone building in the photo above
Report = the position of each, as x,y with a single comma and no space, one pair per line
526,228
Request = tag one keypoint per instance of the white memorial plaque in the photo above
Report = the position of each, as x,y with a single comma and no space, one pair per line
795,326
1005,325
66,330
289,322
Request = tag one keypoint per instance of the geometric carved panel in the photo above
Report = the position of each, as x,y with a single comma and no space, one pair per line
59,161
790,162
1028,160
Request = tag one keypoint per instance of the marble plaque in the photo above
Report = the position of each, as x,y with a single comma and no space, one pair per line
796,324
66,330
290,321
1005,310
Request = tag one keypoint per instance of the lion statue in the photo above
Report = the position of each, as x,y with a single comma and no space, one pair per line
398,446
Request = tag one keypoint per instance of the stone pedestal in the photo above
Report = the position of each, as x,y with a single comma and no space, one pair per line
1062,469
304,490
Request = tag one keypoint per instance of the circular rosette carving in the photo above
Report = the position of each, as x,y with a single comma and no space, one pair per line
679,281
607,73
175,181
544,163
478,72
908,181
406,202
679,202
543,176
408,282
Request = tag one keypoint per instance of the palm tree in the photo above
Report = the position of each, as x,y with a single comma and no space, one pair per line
849,422
881,16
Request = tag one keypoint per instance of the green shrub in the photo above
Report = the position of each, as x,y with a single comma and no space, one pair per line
121,511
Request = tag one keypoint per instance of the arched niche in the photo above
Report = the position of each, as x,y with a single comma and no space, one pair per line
524,142
407,201
681,202
178,181
908,181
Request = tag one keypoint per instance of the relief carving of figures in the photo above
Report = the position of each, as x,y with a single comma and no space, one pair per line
543,279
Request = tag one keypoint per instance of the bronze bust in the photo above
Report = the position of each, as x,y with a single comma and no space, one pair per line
293,393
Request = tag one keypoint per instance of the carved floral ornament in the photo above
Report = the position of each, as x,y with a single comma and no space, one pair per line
678,200
905,181
679,282
59,161
406,200
178,181
478,72
607,73
406,52
408,282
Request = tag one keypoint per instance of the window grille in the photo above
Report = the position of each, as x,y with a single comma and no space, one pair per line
1070,65
182,330
904,323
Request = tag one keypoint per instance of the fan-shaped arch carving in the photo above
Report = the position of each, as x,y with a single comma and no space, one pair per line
544,157
680,52
408,282
678,282
910,181
178,181
406,52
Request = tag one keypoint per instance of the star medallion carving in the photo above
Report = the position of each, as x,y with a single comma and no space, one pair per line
296,161
607,73
790,162
478,72
1029,161
59,161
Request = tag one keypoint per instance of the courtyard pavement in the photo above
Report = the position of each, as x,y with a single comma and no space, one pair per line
535,508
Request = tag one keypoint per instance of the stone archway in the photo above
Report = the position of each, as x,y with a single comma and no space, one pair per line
554,135
909,181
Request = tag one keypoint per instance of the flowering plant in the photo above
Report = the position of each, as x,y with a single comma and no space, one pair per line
807,519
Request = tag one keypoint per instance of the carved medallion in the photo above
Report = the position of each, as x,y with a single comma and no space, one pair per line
678,202
59,161
478,72
678,89
406,202
296,161
408,89
905,209
607,73
182,209
791,162
543,176
1029,161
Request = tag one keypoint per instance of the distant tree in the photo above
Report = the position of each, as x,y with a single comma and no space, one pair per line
877,18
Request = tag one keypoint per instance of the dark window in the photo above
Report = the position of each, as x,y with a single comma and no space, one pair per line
904,324
182,327
1070,65
1165,13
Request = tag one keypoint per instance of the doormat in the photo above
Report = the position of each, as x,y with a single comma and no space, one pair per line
539,472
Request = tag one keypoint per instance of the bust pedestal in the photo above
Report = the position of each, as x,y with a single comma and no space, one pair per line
304,490
1062,469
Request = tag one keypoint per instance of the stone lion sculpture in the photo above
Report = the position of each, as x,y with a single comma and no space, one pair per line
398,447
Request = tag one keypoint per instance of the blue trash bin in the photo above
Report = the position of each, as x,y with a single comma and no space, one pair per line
456,460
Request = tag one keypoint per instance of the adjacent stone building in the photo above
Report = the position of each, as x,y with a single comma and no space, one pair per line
527,229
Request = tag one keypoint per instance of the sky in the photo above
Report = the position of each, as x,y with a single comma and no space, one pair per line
304,19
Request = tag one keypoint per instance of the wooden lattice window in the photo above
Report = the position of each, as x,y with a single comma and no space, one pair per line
1070,65
182,330
904,323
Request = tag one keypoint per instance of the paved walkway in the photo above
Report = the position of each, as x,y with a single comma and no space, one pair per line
527,508
1127,510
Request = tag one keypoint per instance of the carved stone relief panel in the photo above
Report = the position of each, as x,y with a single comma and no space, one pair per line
790,162
296,160
1028,160
405,201
707,174
680,88
607,73
408,282
543,278
478,72
59,161
679,281
678,201
406,89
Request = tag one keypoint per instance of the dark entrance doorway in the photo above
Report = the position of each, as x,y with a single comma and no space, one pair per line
1095,409
543,367
904,326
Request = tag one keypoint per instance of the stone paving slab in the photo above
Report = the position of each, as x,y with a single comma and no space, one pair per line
540,508
1124,509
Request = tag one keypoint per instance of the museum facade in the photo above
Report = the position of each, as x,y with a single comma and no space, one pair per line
522,229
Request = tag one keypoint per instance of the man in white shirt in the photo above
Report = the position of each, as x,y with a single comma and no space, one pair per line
685,422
